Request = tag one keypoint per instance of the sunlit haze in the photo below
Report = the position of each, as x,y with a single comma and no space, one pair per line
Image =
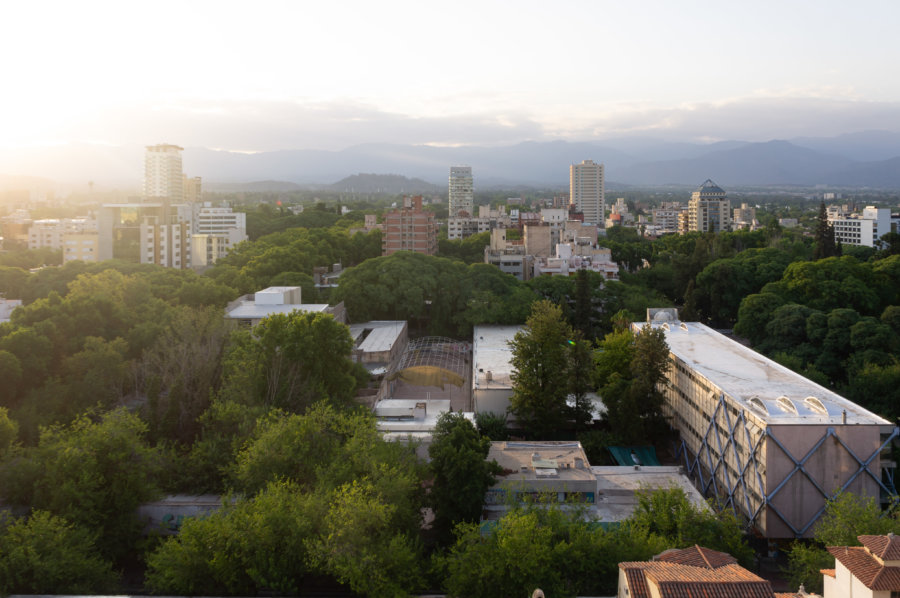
285,75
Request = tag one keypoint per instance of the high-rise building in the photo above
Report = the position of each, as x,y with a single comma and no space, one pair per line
163,177
587,192
709,210
409,229
864,229
462,192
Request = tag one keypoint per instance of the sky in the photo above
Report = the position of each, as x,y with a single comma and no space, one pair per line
298,74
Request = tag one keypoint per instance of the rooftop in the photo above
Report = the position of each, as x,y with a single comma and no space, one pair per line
617,488
253,311
769,391
491,355
541,460
381,337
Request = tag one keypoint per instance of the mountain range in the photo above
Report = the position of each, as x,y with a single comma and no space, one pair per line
867,159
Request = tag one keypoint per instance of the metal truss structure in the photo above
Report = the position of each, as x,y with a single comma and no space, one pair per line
729,466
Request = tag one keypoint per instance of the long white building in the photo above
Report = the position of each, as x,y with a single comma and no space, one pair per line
864,228
764,440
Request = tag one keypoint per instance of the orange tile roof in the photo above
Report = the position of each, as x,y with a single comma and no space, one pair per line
697,556
828,572
711,577
887,548
866,568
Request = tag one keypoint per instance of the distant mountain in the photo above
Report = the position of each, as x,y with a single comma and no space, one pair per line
383,183
255,186
770,163
865,146
859,159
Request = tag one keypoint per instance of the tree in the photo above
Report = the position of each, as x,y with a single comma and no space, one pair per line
361,546
45,554
670,513
846,517
461,473
93,474
630,369
291,361
824,236
254,545
540,361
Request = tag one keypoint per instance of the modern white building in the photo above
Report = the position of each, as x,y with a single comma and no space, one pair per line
709,210
492,385
587,192
767,442
569,258
864,228
461,192
250,310
163,175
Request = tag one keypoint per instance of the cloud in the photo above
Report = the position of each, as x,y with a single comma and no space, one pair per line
275,125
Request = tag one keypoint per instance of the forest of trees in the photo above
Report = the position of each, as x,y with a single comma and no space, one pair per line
122,382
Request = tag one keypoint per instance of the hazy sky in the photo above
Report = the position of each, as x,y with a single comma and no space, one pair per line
263,75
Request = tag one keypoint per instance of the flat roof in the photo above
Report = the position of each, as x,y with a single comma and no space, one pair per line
254,311
523,460
764,388
383,336
491,353
617,487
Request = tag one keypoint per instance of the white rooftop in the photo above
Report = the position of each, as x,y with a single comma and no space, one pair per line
253,311
491,354
383,335
617,486
766,389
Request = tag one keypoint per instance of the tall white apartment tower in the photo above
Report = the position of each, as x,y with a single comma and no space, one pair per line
462,193
163,178
586,191
709,209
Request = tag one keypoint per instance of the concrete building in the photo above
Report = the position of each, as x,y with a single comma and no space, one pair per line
75,237
769,443
709,210
461,192
868,571
491,368
744,217
540,239
569,258
163,176
665,217
409,229
864,228
487,220
509,256
587,191
7,306
214,232
250,310
379,343
559,472
193,189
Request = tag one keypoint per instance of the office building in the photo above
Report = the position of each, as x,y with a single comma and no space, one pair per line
765,441
665,217
864,228
709,210
163,176
586,191
409,228
461,192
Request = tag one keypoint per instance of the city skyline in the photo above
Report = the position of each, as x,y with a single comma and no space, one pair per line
286,76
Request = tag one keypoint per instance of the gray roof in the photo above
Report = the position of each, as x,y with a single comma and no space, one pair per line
709,186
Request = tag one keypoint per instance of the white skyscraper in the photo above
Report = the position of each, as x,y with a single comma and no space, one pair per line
163,177
587,192
462,192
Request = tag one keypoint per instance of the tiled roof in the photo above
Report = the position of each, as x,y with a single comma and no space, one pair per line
887,548
697,556
864,567
676,580
828,572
